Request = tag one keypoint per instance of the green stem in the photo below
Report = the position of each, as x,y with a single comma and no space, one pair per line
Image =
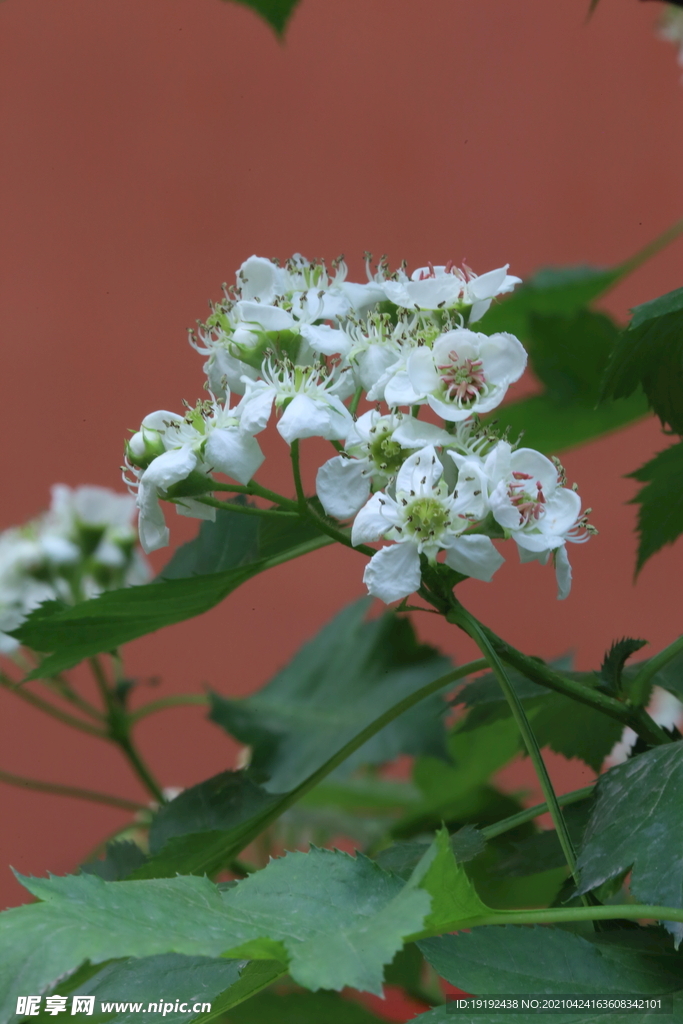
461,617
50,709
355,401
176,700
298,484
74,791
556,915
538,672
243,510
641,683
521,818
119,731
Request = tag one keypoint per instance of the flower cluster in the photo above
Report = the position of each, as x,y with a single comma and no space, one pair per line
84,544
417,468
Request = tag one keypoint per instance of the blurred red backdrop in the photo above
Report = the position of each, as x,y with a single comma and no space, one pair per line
151,145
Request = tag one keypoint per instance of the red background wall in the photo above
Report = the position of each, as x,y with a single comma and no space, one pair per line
149,146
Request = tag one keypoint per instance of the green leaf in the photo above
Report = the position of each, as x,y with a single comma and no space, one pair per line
542,851
650,354
301,1008
296,728
566,726
208,824
121,859
341,681
172,976
660,516
402,858
188,587
518,960
614,661
276,12
454,898
334,920
637,823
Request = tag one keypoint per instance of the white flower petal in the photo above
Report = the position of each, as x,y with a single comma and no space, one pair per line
504,358
504,512
362,296
398,390
194,509
151,523
563,573
234,453
329,341
169,468
343,486
259,278
475,556
487,285
393,572
373,364
422,465
256,407
223,369
306,417
414,433
450,412
264,317
422,372
376,518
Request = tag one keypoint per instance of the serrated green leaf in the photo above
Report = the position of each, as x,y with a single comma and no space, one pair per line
301,1008
336,919
338,683
188,587
614,661
519,960
637,823
660,516
454,898
276,12
650,354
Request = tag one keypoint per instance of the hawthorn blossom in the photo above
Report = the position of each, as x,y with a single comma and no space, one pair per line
450,287
527,499
310,397
376,448
462,374
239,337
307,284
423,518
210,437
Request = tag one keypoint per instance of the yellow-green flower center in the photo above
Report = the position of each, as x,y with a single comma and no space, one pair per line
426,517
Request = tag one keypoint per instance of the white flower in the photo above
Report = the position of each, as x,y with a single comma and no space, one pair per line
84,544
209,438
462,374
240,336
527,499
376,448
423,518
306,284
450,287
377,347
311,398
